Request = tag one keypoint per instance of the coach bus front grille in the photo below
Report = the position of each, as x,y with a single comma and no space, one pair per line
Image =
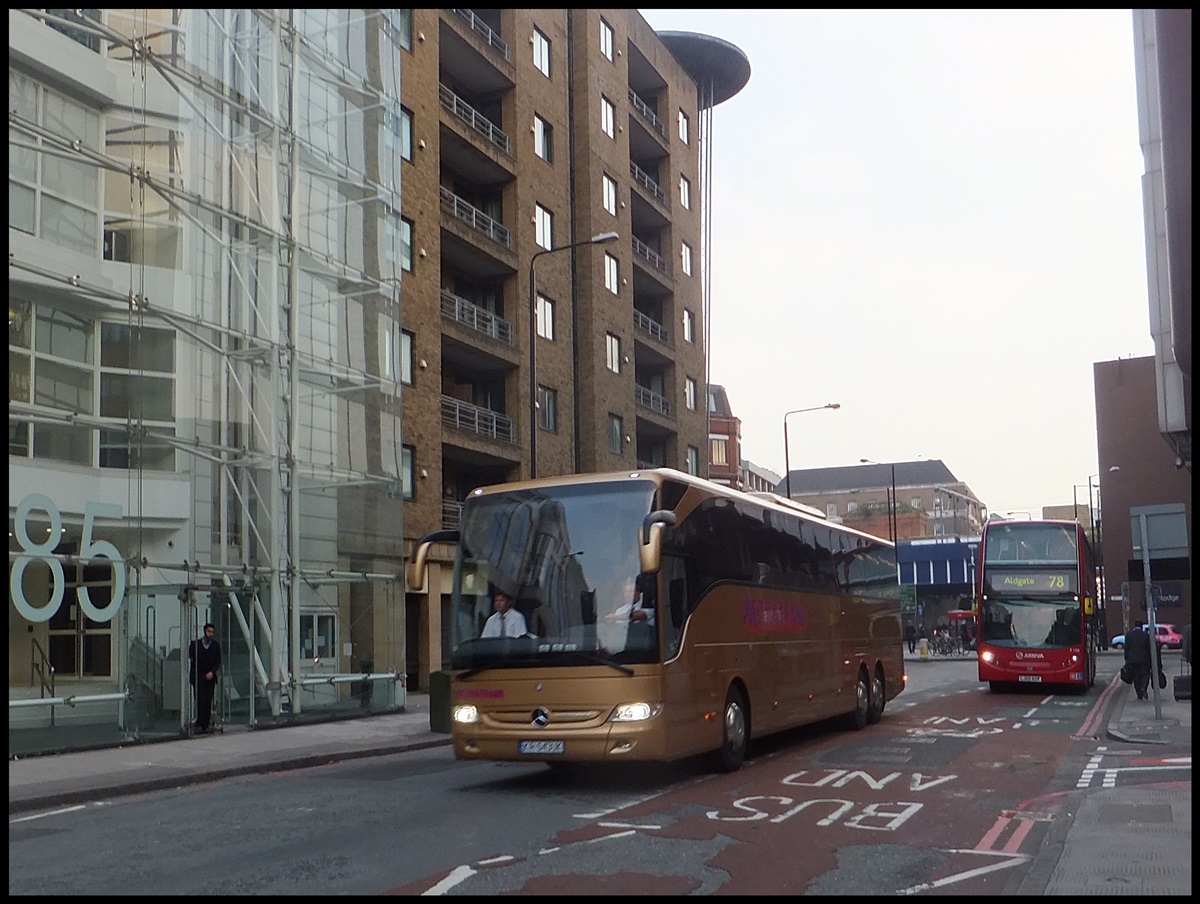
574,718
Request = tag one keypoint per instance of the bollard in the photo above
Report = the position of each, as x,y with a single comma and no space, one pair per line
923,648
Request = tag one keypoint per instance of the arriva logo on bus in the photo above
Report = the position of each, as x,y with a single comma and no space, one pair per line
44,551
768,615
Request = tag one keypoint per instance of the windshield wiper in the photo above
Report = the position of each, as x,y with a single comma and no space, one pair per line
591,656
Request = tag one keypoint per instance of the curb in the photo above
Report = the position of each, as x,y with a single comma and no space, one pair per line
304,761
1114,735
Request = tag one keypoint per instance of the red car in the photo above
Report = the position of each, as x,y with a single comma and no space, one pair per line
1169,636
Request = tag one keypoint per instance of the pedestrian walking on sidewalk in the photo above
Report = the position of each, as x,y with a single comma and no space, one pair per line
910,635
204,660
1137,658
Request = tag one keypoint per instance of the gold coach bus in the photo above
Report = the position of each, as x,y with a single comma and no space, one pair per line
663,616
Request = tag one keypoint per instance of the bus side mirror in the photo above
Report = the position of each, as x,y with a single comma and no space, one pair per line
650,548
414,574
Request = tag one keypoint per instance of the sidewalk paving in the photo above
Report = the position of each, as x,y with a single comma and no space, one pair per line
1121,840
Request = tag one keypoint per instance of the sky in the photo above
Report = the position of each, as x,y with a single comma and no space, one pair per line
933,219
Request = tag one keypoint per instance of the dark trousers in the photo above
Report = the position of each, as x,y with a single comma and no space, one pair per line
1141,681
912,646
204,700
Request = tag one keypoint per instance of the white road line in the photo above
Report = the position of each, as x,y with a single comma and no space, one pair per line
626,825
962,877
457,875
51,813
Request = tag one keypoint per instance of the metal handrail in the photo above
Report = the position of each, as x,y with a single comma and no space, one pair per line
473,316
651,326
645,251
650,115
647,398
40,665
475,218
474,419
485,31
475,119
73,700
641,176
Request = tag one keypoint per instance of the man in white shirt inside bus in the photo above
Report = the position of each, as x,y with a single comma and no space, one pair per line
505,621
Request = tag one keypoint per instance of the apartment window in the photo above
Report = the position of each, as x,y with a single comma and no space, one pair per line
685,192
851,507
689,393
610,273
719,449
689,326
613,347
608,117
541,53
547,415
545,317
398,355
616,433
52,196
543,144
606,40
831,510
408,471
693,460
685,255
400,21
400,128
406,244
610,195
683,127
544,227
318,636
916,503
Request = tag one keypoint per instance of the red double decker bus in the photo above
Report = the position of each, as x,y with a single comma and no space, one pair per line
1036,604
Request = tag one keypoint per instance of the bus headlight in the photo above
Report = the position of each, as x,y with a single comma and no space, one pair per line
987,656
635,712
465,715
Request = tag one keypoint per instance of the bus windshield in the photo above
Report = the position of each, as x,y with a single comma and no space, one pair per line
1031,544
1026,623
567,557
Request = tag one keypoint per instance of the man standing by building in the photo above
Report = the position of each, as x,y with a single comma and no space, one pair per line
204,659
1137,657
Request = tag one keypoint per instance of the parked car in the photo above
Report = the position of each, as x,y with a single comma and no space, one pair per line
1167,636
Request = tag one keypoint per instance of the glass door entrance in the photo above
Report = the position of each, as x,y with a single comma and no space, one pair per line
80,647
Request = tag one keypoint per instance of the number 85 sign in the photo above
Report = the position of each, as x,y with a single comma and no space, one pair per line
89,549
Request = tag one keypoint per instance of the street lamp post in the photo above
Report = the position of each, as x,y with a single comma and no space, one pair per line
787,469
600,239
891,501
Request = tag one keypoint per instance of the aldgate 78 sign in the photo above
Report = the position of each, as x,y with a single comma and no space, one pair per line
44,551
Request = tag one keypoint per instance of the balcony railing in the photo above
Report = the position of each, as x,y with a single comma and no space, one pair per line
451,513
649,254
475,119
650,116
641,176
652,327
480,421
649,399
474,317
484,31
475,218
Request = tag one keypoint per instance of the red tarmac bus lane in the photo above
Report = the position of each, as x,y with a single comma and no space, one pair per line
945,780
951,796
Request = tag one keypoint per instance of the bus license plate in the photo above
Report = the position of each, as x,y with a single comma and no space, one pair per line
541,747
1035,678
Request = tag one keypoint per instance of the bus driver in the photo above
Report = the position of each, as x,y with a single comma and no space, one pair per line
505,621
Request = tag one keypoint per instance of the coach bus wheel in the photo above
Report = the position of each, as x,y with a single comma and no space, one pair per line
875,706
862,702
735,731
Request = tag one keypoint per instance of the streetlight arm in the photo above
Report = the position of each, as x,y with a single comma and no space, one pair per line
787,468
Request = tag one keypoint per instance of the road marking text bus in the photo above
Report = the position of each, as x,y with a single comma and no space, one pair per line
756,615
1036,602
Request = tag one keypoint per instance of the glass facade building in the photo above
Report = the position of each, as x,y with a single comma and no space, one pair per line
205,366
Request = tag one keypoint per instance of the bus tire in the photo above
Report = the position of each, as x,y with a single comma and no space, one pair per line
735,731
857,720
878,698
997,687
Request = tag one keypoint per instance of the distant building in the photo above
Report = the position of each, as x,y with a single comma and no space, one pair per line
724,440
930,500
757,479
